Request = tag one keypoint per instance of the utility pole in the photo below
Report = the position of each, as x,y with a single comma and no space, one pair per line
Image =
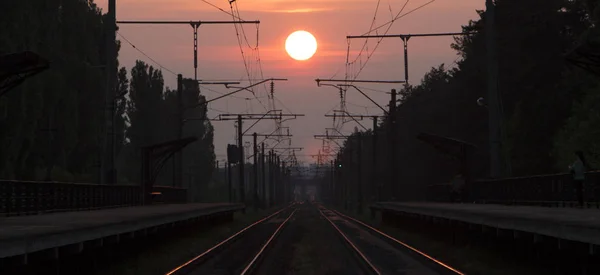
255,165
264,178
269,187
240,133
229,182
405,38
277,180
339,185
359,173
195,25
177,177
492,87
376,186
331,182
393,150
108,144
282,184
344,188
242,161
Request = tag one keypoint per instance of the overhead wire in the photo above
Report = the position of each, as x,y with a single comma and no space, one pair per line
379,40
398,17
146,55
224,11
350,66
221,93
239,39
256,49
388,24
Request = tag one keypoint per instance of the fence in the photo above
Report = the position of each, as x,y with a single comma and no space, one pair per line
545,190
28,197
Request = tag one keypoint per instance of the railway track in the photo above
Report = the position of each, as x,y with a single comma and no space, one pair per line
382,253
316,241
242,252
310,245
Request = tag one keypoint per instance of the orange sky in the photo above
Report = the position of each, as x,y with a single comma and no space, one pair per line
329,21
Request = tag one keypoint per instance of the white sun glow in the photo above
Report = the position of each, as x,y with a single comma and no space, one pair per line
301,45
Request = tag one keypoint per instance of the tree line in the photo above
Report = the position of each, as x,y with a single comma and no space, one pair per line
548,104
51,126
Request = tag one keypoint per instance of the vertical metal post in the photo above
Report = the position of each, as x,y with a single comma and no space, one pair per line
376,186
492,87
359,183
393,152
264,178
271,177
405,42
229,185
277,183
195,26
177,180
283,184
242,162
331,182
107,161
255,176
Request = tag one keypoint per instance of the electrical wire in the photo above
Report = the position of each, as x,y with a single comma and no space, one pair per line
220,93
373,90
362,66
219,8
147,56
285,107
239,39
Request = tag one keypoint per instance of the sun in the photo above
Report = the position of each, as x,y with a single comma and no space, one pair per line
301,45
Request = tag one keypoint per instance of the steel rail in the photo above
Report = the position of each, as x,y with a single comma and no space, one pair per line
210,250
360,253
432,259
248,269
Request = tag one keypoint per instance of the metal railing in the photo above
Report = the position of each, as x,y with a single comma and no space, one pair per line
544,190
31,198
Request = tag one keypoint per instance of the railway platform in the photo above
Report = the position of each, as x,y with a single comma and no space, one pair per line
566,224
76,231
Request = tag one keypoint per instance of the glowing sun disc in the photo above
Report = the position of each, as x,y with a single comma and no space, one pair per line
301,45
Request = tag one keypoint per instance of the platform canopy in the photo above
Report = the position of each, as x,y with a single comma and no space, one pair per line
586,55
154,158
16,67
450,146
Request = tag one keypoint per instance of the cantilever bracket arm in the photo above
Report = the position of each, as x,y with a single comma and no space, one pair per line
368,97
16,67
154,158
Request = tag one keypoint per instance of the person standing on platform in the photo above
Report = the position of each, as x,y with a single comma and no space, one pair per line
578,170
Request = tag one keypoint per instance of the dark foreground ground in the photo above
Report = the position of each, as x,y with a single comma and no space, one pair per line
309,245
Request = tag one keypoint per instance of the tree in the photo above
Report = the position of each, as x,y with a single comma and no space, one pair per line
537,89
53,121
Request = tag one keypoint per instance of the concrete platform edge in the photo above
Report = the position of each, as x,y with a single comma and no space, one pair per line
29,245
560,231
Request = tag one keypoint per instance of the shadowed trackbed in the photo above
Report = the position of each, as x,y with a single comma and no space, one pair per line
309,245
240,252
388,258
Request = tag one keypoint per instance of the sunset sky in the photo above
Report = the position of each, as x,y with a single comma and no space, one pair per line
219,55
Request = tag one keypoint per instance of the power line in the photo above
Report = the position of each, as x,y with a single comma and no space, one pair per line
219,8
147,56
389,25
378,42
248,70
285,107
221,93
